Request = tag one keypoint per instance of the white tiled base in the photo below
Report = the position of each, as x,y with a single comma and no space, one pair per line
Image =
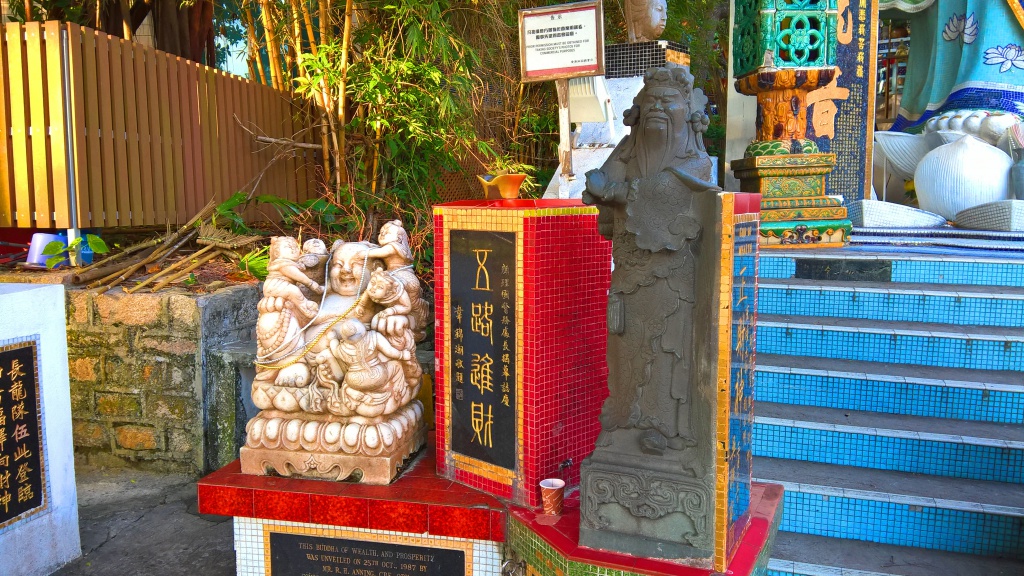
484,558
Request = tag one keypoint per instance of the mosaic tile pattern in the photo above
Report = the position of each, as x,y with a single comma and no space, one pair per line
939,455
776,267
484,558
892,394
789,568
942,349
918,269
903,524
549,547
894,304
954,272
418,501
628,60
561,377
741,394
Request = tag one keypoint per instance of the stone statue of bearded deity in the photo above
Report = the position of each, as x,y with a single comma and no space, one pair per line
644,193
646,19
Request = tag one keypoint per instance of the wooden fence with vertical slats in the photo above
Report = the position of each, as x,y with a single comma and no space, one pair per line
101,132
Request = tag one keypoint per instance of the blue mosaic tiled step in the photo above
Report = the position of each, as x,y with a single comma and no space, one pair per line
975,347
809,555
982,395
948,514
955,448
887,266
961,305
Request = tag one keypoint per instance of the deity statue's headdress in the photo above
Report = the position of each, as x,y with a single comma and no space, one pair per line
679,78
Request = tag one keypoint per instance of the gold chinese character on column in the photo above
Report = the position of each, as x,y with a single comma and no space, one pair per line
23,471
481,321
18,391
15,371
22,452
483,278
25,493
844,26
482,421
823,100
480,374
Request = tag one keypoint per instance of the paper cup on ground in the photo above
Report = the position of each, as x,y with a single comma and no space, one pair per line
551,492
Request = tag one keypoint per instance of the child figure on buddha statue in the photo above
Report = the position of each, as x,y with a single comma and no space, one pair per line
374,382
397,256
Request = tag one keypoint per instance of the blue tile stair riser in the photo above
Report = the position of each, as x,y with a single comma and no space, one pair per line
944,350
959,309
903,525
867,450
976,273
891,397
774,267
926,271
785,568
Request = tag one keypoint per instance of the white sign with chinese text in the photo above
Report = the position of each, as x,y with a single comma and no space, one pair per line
562,41
37,481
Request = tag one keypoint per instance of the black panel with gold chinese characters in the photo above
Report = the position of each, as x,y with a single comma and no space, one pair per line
483,346
22,479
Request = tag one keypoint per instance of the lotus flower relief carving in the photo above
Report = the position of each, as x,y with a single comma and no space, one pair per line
962,27
1006,57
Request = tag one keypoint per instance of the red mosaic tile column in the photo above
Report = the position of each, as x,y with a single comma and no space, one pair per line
560,280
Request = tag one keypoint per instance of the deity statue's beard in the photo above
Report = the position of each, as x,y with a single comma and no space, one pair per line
655,150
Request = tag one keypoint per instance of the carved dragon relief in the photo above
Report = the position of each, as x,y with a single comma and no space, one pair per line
645,495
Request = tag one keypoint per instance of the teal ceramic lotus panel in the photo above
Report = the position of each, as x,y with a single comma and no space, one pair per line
798,33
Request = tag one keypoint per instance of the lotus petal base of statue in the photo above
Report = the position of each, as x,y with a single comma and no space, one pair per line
369,450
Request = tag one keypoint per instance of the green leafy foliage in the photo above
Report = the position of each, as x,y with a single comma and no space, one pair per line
255,262
409,83
59,251
65,10
226,212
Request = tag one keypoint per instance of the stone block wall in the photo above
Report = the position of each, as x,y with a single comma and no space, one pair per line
138,385
140,392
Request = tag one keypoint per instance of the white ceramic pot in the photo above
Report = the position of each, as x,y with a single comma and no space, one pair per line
961,175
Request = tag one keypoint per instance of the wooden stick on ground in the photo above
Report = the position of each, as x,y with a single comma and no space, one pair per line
170,268
195,265
89,276
168,246
129,250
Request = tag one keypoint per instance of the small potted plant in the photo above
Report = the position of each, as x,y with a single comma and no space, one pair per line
78,252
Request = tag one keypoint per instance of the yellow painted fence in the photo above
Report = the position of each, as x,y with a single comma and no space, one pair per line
101,132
